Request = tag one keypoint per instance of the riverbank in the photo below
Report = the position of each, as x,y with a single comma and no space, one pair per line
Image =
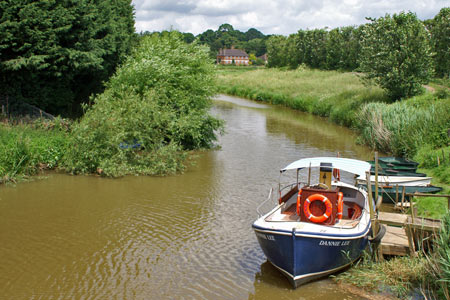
416,128
412,128
324,93
27,148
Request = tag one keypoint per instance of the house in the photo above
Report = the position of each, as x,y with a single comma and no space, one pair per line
232,56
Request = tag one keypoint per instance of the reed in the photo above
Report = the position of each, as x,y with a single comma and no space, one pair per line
402,128
398,276
438,264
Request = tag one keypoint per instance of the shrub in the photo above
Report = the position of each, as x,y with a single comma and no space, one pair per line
153,110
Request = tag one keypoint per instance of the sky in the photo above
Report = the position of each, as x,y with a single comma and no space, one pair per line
271,16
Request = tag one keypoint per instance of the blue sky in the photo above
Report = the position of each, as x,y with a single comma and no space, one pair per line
271,16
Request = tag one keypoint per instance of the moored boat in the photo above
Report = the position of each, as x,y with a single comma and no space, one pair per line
390,193
390,166
397,180
316,229
398,161
392,172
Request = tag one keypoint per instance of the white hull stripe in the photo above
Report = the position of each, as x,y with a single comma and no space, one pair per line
316,236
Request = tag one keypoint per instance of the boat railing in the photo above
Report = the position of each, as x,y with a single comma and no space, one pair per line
265,201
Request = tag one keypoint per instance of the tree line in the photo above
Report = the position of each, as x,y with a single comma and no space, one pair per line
252,41
398,52
56,54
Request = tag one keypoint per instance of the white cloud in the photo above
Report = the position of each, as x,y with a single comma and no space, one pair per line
271,16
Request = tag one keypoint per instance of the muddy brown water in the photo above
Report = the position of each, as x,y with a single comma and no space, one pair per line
187,236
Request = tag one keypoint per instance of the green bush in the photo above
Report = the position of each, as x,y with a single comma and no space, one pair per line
153,110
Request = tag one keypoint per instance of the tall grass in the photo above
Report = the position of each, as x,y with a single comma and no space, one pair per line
438,267
324,93
401,128
400,275
27,148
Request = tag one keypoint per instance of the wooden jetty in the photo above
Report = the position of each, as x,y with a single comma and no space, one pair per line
406,234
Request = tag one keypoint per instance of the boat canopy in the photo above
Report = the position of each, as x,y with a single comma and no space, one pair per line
354,166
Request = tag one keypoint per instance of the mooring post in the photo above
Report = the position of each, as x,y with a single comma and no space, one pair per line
376,177
373,219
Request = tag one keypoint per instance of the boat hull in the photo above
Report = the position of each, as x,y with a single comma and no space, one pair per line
397,180
303,257
389,193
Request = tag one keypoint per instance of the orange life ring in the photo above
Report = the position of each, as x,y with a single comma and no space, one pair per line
340,205
298,201
307,211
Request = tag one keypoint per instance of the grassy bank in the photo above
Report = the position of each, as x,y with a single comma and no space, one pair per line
404,128
325,93
27,148
427,274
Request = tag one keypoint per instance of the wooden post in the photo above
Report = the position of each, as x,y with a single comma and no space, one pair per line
376,176
373,220
409,234
309,175
396,195
403,195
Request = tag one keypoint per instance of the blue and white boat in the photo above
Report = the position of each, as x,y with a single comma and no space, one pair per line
316,229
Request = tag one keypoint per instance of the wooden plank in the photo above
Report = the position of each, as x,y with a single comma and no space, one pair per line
395,241
424,224
392,218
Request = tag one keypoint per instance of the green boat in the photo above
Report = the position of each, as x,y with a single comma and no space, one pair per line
389,166
388,192
398,161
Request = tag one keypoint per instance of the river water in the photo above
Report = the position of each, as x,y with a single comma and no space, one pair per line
187,236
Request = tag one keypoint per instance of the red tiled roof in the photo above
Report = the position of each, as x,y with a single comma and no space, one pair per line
232,52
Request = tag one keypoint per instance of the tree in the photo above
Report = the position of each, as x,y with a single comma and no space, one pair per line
396,54
56,53
440,40
253,33
154,108
276,51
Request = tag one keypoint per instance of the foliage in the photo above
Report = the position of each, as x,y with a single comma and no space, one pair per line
325,93
154,109
438,266
54,54
337,49
276,45
27,148
435,159
403,127
396,54
440,41
252,41
399,275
